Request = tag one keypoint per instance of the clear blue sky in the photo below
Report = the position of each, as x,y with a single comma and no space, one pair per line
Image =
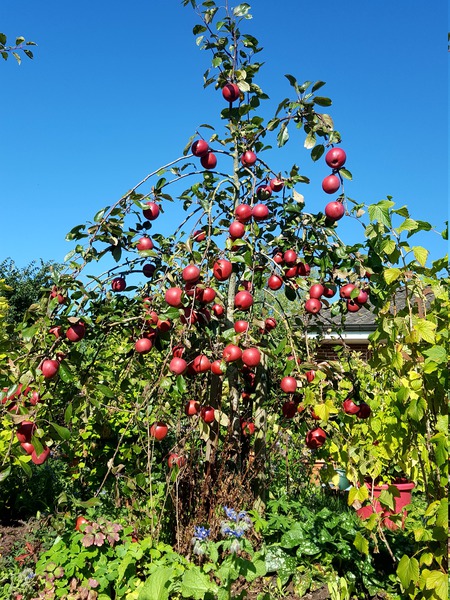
115,90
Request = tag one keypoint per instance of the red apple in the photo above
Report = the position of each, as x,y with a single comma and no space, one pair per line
353,306
49,368
143,345
42,457
231,353
236,229
25,431
315,438
56,331
289,409
310,376
173,297
291,272
276,184
81,523
313,306
243,300
218,310
316,291
251,357
231,92
159,430
34,398
178,365
331,184
55,293
144,243
29,448
209,161
199,235
364,411
191,408
207,414
201,364
163,325
248,428
243,213
241,326
349,407
200,148
303,269
248,159
263,192
335,210
191,274
362,297
335,158
278,257
222,269
260,212
329,290
270,324
290,257
118,284
216,368
148,270
288,384
206,295
176,460
346,290
152,211
274,282
76,332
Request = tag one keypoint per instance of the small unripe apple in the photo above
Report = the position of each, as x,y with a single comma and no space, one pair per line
248,159
222,269
288,384
313,306
236,229
251,357
173,297
178,365
276,184
191,274
260,212
152,211
231,92
243,300
243,213
335,158
209,161
49,368
335,210
241,326
231,353
118,284
144,243
274,282
159,430
331,184
200,148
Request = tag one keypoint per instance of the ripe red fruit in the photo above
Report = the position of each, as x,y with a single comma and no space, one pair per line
207,414
331,184
248,428
346,290
81,523
362,297
248,159
231,92
199,235
29,448
148,270
143,345
288,384
243,300
209,161
274,282
222,269
55,293
152,211
241,326
315,438
200,148
25,431
291,272
353,306
178,351
276,184
263,192
316,291
313,306
364,411
216,368
349,407
144,243
251,357
173,297
191,408
335,158
310,376
201,364
206,295
176,460
191,274
270,324
314,415
42,457
34,398
49,368
236,229
56,331
335,210
118,284
231,353
329,291
260,212
178,365
303,269
290,257
289,409
278,257
76,332
243,213
163,325
159,430
218,310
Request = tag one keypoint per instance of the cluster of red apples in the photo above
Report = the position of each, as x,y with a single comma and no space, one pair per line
335,158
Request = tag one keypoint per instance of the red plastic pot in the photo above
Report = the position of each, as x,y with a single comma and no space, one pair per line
401,501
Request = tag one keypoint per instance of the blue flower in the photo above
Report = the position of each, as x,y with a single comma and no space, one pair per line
201,533
230,513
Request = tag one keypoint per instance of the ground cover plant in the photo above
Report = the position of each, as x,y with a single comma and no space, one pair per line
170,416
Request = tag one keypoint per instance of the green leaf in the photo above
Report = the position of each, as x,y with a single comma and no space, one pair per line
242,10
283,135
361,544
64,373
380,212
416,408
99,215
196,584
438,581
408,571
322,101
157,585
420,254
292,538
310,141
105,390
346,174
437,354
425,329
63,432
5,473
391,275
29,332
2,38
317,152
68,413
317,86
278,561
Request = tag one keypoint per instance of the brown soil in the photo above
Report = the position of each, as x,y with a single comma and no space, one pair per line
14,537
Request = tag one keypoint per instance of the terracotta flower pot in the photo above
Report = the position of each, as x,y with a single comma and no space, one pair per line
401,501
